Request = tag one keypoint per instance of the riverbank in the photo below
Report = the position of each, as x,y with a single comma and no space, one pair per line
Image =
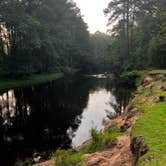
149,134
137,137
27,81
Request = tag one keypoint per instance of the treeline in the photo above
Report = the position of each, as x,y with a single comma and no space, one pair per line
38,36
138,33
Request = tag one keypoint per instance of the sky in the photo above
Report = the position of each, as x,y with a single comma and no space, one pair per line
92,11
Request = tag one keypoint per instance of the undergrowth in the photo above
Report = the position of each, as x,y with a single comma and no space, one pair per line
99,141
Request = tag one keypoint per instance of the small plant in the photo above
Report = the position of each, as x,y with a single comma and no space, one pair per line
97,138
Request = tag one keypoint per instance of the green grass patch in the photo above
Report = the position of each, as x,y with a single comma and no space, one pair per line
157,72
163,93
152,125
31,80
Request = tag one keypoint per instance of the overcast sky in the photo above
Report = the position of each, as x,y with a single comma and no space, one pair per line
92,10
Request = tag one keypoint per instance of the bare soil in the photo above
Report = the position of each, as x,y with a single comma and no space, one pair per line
119,155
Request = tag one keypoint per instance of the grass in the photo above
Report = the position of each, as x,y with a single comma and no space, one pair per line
154,72
99,142
34,79
152,125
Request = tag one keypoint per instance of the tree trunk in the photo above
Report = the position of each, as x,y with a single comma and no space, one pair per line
1,42
132,24
127,28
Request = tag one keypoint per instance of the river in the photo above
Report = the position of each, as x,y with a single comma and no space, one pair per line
37,120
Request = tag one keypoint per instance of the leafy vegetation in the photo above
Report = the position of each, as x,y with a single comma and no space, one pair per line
151,126
133,77
138,34
38,37
41,36
98,60
98,142
50,36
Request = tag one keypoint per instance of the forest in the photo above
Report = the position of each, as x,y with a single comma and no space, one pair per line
43,36
70,97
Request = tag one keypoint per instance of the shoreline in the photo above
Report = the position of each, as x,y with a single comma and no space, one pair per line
28,81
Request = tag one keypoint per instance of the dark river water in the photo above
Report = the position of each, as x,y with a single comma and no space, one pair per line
36,120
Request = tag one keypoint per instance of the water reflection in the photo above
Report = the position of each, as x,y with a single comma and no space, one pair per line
45,117
93,115
7,107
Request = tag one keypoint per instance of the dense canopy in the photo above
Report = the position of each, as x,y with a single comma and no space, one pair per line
138,34
41,36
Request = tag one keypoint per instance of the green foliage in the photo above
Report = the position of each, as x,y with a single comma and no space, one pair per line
133,77
138,34
41,36
157,45
130,75
99,59
98,142
101,141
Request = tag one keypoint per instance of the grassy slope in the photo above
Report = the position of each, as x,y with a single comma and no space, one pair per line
35,79
152,125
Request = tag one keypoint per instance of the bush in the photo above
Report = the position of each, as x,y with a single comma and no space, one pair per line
133,77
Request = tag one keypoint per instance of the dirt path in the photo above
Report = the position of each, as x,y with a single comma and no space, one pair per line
46,163
119,155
